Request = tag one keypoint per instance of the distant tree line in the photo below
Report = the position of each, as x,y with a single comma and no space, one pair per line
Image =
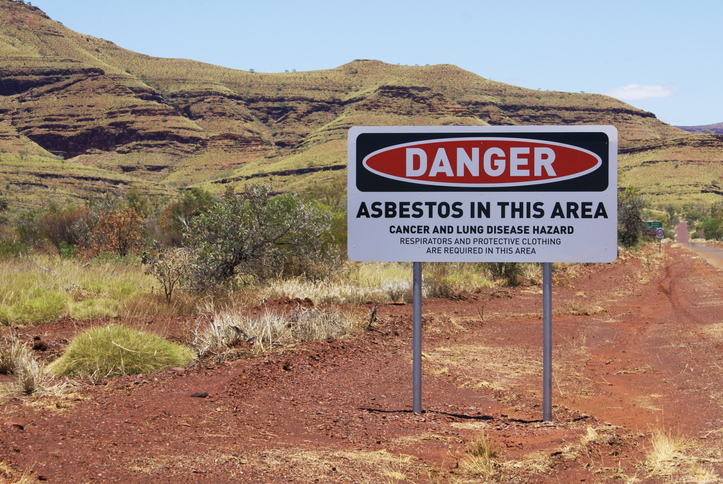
707,221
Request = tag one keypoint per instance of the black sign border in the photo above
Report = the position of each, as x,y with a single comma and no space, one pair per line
597,142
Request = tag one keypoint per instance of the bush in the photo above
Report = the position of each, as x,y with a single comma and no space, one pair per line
712,223
176,218
66,228
630,216
116,232
251,237
119,350
67,251
10,248
28,228
169,267
509,272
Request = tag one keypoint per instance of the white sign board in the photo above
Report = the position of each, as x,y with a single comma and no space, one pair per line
483,194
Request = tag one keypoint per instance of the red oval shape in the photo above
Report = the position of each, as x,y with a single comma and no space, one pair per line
482,162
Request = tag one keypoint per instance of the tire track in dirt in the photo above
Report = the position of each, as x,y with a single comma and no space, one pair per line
657,369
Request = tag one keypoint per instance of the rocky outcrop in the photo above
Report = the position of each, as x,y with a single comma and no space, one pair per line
16,79
711,142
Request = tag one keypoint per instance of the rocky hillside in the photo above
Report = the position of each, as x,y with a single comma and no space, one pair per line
79,114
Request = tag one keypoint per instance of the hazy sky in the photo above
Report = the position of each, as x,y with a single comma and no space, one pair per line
662,56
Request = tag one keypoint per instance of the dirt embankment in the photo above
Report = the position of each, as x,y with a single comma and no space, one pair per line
638,348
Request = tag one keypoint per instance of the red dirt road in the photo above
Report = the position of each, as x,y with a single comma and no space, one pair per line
638,349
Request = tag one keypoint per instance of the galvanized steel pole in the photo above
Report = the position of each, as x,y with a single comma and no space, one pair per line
546,342
417,343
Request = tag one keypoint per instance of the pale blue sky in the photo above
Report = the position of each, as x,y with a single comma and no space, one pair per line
662,56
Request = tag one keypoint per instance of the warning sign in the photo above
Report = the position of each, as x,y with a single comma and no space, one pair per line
485,194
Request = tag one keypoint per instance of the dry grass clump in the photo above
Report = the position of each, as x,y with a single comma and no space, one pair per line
16,359
216,331
667,453
382,283
297,464
25,477
11,353
149,305
325,291
479,457
577,308
119,350
672,456
465,365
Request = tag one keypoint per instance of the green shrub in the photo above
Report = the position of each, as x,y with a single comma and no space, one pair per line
119,350
67,251
253,236
630,220
10,248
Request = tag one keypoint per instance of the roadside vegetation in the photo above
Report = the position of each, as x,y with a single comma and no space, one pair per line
210,258
136,257
207,257
706,221
201,256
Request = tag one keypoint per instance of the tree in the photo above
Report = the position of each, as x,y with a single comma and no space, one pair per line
176,217
330,196
138,201
253,236
169,266
673,218
27,228
67,227
630,219
116,232
712,225
692,213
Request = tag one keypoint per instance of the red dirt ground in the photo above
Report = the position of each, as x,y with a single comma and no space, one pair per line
638,349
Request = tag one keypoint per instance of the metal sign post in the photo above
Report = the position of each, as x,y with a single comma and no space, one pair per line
417,343
546,342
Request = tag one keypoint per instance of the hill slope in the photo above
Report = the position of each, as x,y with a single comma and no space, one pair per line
168,123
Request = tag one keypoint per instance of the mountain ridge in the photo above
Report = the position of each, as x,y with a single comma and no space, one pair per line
164,124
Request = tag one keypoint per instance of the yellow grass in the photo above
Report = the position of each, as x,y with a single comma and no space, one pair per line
42,288
673,456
